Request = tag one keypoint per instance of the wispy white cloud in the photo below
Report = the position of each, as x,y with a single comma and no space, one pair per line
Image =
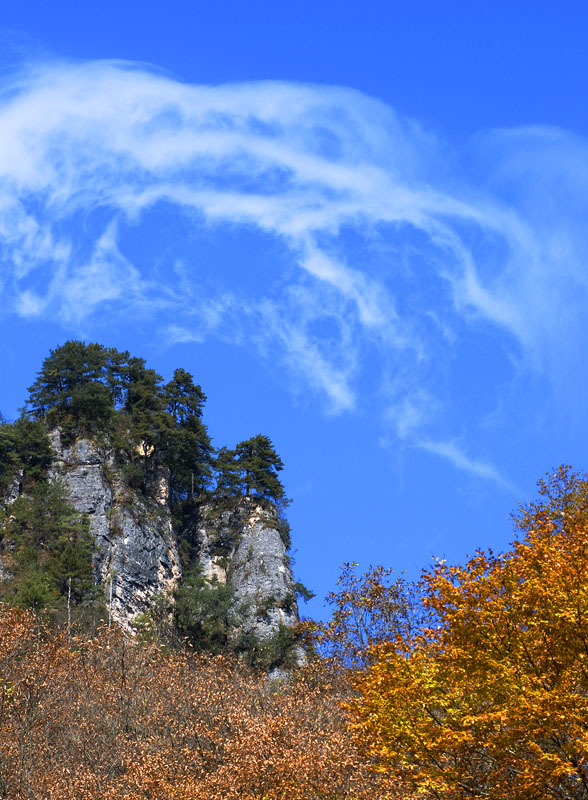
388,254
452,452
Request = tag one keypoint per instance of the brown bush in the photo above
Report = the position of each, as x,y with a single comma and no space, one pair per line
93,719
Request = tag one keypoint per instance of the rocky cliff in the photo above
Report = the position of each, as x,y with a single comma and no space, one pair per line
243,546
135,556
136,542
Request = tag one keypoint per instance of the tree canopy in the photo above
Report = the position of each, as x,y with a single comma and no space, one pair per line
23,447
47,548
112,717
88,388
189,449
91,388
82,382
489,698
251,469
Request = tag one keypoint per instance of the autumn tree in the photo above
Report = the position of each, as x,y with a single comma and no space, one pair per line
367,609
489,698
107,716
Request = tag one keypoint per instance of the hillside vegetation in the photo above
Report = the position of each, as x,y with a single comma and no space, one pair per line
470,683
108,717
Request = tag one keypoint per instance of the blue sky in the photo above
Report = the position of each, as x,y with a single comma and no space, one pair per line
361,226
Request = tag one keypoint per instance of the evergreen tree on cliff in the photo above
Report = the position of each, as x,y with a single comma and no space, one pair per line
73,386
258,465
228,481
23,446
189,446
90,388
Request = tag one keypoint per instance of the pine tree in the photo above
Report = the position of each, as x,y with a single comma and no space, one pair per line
144,404
72,388
50,549
258,465
228,479
188,445
203,612
23,446
9,460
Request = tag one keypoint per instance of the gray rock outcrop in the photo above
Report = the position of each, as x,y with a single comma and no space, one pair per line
135,557
136,547
13,491
136,560
243,546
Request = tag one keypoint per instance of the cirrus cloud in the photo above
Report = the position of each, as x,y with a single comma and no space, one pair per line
386,256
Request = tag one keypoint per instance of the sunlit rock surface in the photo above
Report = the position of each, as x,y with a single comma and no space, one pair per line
136,547
135,557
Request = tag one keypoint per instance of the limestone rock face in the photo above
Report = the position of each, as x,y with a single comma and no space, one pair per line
13,490
135,556
243,547
136,546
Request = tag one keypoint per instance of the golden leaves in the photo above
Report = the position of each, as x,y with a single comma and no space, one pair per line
490,698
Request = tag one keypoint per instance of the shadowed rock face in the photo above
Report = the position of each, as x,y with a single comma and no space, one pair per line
136,546
136,555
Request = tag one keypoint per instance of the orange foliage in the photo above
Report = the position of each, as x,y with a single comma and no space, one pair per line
490,698
107,718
